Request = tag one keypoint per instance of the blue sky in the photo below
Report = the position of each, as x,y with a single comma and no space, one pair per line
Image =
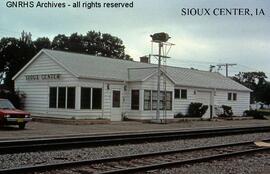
199,40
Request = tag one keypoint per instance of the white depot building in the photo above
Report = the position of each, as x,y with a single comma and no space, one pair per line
70,85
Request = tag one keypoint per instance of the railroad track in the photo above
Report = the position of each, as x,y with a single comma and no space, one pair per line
47,144
147,161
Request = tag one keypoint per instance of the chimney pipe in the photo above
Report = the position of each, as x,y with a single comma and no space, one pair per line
145,59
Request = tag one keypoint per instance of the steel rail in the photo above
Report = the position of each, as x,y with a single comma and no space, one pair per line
17,146
76,164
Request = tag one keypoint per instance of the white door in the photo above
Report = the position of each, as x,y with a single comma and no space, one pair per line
116,112
204,97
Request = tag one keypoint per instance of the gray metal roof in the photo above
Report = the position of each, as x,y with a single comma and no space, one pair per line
87,66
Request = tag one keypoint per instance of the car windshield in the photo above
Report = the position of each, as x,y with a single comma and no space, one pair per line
6,104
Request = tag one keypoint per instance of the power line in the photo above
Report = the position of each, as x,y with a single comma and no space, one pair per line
208,63
226,65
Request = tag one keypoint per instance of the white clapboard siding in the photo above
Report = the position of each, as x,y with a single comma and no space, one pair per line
181,105
151,84
135,114
238,106
37,91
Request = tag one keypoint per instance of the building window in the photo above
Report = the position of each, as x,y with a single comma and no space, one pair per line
183,94
85,98
53,98
176,93
147,100
180,93
135,99
66,97
71,97
62,97
229,96
154,100
234,96
116,99
97,98
169,100
164,101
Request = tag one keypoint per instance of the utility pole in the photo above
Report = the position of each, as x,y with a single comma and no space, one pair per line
227,67
161,39
158,81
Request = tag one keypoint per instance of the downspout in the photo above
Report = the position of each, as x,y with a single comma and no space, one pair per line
103,85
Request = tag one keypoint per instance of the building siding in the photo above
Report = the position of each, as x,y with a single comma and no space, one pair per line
151,84
37,94
239,106
37,91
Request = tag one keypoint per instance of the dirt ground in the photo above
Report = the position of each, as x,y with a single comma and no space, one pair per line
39,129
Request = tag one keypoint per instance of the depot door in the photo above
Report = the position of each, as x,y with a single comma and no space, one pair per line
116,112
204,97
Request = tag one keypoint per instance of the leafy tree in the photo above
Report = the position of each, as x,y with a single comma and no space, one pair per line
15,53
75,43
92,42
250,79
60,42
255,81
42,42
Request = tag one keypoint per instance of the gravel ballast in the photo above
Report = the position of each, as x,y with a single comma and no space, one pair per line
51,157
258,163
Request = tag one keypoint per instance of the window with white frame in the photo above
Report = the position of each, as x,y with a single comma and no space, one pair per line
71,93
180,93
97,98
53,97
229,96
62,97
85,98
135,99
91,98
150,100
176,93
183,94
232,96
147,100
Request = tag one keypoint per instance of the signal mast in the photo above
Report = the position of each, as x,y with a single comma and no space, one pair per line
163,49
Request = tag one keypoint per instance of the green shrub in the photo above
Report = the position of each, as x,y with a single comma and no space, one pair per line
197,109
264,112
179,115
15,97
227,111
255,114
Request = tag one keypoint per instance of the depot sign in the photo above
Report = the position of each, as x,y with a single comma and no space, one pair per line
43,77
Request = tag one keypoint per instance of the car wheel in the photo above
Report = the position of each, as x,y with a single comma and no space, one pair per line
22,125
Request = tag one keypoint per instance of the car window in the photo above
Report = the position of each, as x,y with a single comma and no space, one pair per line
5,104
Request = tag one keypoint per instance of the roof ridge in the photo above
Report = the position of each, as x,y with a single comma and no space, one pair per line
114,58
84,54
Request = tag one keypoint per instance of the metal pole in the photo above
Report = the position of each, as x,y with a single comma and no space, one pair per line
158,81
226,69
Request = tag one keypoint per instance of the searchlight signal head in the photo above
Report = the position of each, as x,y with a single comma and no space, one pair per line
160,37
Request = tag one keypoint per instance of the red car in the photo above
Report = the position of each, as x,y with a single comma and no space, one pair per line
9,115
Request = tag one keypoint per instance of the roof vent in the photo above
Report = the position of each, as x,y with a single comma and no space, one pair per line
145,59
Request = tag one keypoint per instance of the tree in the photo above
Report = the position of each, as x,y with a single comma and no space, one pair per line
93,43
14,54
60,42
255,81
265,93
42,42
